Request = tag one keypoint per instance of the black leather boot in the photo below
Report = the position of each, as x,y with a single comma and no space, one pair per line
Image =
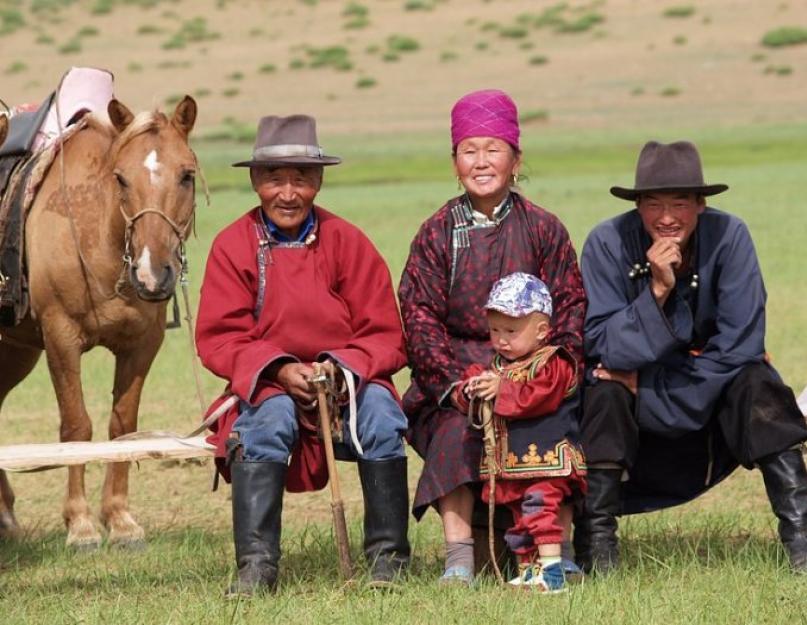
257,504
386,519
786,484
595,542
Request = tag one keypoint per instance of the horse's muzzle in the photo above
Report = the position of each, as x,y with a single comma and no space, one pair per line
160,290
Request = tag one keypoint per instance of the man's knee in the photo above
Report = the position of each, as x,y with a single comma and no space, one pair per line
381,424
609,431
269,431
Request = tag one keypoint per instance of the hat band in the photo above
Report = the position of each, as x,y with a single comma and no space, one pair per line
289,149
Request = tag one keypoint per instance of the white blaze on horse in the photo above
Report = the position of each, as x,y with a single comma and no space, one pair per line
104,244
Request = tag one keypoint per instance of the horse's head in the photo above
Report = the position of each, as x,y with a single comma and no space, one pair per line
3,128
154,171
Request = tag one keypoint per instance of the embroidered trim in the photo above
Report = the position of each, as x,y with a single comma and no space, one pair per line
565,459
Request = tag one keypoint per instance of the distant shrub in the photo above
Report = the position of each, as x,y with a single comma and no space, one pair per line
176,42
336,57
195,30
418,5
87,31
551,16
173,64
102,7
682,10
758,57
539,59
231,92
310,3
202,92
256,32
267,68
670,92
481,45
536,115
373,49
513,32
779,70
354,9
296,64
149,29
637,91
679,40
71,47
390,57
489,26
44,39
235,76
402,43
785,36
581,24
447,56
365,82
134,67
16,67
357,23
10,20
173,100
526,45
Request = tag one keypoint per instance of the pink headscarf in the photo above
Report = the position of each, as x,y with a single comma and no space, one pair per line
486,113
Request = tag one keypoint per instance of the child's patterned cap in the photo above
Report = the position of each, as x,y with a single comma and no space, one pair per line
518,295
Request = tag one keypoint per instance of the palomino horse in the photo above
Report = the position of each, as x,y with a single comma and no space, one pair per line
104,245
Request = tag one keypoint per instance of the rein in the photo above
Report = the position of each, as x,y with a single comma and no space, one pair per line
483,420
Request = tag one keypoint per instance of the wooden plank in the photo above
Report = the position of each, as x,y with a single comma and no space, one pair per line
38,456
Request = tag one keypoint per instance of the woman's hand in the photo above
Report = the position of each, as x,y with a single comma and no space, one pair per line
628,379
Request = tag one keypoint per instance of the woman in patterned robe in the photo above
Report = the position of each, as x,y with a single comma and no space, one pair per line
456,256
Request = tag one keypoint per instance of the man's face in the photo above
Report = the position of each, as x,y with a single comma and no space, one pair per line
287,194
670,214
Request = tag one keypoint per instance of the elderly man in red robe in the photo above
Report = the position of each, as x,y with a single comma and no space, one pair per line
287,285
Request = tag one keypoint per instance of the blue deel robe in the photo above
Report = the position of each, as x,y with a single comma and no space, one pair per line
685,353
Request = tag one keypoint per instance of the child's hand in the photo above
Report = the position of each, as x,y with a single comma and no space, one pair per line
485,385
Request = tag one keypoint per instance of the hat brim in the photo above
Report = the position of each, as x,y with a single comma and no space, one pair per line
291,161
632,194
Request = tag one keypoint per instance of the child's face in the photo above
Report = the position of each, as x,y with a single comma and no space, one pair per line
514,337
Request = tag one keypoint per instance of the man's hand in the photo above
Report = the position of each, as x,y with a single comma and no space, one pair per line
295,378
664,257
628,379
485,385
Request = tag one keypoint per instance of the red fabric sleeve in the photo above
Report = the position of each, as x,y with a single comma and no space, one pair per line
226,337
540,396
376,349
458,393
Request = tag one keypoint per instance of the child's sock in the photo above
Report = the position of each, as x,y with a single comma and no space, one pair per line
547,560
460,553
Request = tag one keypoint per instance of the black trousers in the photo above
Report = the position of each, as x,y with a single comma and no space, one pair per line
757,416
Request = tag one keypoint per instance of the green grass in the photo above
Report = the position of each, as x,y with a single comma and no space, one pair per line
680,11
713,561
785,36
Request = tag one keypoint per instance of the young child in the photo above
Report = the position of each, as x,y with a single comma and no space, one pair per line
538,463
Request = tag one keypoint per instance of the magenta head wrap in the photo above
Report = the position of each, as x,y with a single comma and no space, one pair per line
486,113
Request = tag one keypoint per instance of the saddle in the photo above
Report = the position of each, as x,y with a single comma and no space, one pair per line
32,134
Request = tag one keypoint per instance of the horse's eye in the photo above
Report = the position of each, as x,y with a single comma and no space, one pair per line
187,179
121,180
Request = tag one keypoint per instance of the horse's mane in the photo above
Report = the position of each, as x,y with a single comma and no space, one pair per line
147,121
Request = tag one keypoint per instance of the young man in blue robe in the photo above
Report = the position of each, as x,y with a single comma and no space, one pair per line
679,389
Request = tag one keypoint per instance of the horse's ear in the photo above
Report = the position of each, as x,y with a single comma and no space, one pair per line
185,115
3,128
119,115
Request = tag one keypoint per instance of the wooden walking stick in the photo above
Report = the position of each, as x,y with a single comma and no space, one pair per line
324,381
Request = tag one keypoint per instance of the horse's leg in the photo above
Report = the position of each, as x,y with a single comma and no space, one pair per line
16,362
131,368
63,353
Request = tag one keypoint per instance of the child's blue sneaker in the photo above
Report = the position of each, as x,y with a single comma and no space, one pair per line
573,573
457,575
548,579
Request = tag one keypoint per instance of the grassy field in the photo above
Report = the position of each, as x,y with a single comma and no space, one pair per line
713,561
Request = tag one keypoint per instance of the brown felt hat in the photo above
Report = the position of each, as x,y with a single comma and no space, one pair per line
668,167
287,141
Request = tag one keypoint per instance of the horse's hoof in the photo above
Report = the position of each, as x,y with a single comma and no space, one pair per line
84,546
129,544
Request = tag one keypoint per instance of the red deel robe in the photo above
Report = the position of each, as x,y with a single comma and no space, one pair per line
331,298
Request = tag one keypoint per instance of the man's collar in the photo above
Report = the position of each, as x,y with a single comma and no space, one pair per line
305,229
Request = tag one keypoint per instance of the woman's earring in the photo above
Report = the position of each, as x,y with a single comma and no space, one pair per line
459,184
515,179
